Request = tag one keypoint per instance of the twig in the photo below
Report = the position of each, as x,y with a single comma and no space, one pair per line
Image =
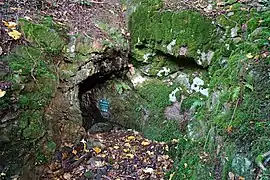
97,2
33,68
236,105
106,177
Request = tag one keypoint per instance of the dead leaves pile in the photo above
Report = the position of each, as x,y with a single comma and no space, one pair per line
11,30
112,155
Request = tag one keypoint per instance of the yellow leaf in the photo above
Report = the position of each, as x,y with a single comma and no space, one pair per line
130,156
241,178
145,143
165,157
85,147
10,25
171,176
116,147
186,165
131,137
74,151
103,155
2,93
126,150
249,56
15,34
229,129
124,7
97,149
15,9
166,147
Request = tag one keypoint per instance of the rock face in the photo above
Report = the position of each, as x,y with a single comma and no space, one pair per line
179,34
66,111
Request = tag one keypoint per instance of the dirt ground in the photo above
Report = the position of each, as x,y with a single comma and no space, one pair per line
80,16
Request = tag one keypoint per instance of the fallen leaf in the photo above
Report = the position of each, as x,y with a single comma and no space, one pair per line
249,56
15,34
166,157
116,147
103,155
166,147
148,170
130,156
126,150
130,137
64,155
124,7
97,149
229,129
220,4
74,151
67,176
145,143
241,178
85,148
15,8
269,38
186,165
2,93
10,25
27,18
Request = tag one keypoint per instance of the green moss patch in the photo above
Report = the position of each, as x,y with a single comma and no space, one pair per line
159,28
34,81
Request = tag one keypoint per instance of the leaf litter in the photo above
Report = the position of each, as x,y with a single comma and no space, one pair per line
119,154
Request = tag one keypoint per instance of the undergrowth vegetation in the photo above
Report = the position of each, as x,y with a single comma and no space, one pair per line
235,118
34,81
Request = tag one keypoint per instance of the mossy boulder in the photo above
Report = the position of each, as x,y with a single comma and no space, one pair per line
168,32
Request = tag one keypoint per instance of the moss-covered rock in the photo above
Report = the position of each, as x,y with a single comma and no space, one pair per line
34,81
168,31
234,114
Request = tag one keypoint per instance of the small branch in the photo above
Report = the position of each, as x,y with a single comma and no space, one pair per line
236,105
97,2
34,66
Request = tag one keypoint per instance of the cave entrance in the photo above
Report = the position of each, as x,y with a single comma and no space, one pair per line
89,102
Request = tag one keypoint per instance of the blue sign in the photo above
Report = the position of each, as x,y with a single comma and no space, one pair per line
104,105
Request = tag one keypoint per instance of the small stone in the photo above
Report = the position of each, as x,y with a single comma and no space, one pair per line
230,14
234,32
172,96
183,51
